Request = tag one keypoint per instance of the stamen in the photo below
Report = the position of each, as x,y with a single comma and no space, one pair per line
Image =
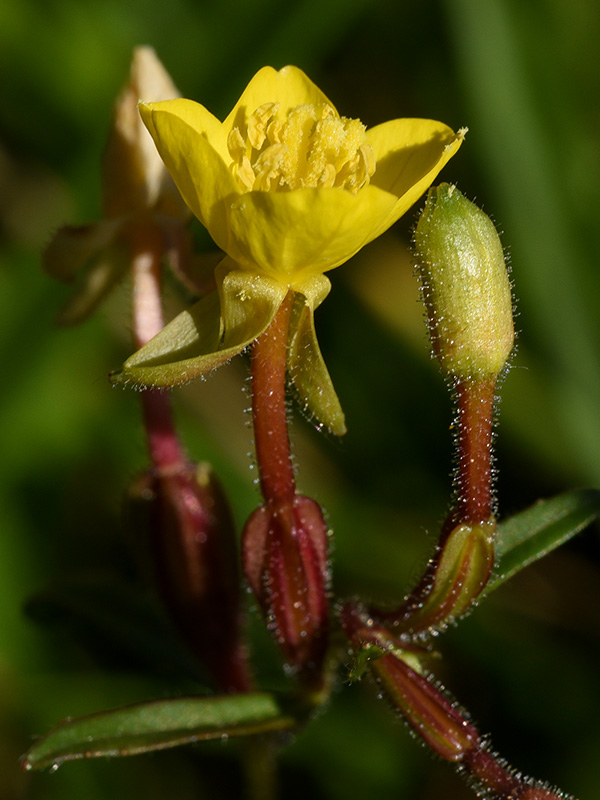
311,146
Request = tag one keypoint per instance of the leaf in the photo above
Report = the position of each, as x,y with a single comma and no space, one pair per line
157,725
534,533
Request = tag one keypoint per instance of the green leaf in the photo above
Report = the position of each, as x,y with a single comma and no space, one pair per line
157,725
533,533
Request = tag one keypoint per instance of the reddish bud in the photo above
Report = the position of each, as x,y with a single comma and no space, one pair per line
195,566
428,712
436,719
454,579
433,716
285,563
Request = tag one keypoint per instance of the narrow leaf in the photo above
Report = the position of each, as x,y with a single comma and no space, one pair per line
157,725
533,533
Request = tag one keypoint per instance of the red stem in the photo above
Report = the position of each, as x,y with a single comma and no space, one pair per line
193,512
269,412
147,248
475,408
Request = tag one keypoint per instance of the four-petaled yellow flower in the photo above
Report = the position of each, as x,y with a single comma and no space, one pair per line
288,189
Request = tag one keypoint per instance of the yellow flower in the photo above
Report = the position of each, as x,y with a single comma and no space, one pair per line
288,189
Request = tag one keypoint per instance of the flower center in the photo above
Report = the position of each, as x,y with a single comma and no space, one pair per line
310,147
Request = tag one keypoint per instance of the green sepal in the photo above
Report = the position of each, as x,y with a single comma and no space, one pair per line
94,258
73,247
462,569
306,365
158,725
208,334
538,530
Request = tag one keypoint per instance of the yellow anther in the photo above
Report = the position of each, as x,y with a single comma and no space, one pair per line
257,124
236,144
311,146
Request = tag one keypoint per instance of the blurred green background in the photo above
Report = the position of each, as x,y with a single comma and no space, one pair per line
524,77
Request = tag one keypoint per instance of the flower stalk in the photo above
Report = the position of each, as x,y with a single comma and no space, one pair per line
474,496
146,247
285,541
191,525
269,411
467,295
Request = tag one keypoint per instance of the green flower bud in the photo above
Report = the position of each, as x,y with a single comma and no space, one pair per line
465,286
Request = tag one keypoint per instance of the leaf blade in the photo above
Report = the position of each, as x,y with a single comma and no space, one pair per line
535,532
157,725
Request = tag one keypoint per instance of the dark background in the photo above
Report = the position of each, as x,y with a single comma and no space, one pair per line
524,77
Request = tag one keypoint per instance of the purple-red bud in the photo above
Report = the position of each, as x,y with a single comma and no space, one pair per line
431,715
437,719
195,567
285,563
454,579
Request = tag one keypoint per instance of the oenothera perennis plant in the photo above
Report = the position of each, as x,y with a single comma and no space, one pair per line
288,190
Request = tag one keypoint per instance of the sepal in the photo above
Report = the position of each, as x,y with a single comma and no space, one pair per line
455,577
211,332
306,365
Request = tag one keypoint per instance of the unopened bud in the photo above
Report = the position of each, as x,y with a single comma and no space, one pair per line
454,579
192,558
134,176
285,563
435,718
135,186
465,285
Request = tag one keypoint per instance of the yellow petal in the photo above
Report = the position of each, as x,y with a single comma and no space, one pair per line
191,143
293,235
409,154
289,87
305,362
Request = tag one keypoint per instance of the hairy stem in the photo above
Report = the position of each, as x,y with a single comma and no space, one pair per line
146,256
269,412
475,409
